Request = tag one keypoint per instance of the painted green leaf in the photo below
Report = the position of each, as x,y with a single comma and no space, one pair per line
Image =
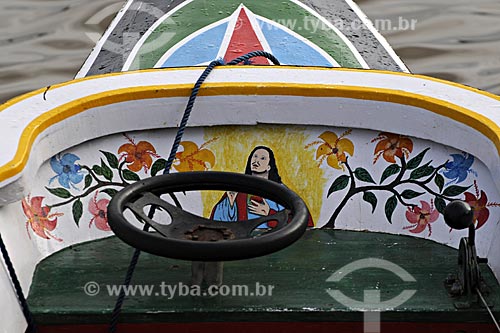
158,165
440,204
421,172
88,181
339,184
390,206
389,171
77,211
111,158
129,175
410,194
59,192
97,170
415,162
110,191
106,171
454,190
439,181
363,175
371,199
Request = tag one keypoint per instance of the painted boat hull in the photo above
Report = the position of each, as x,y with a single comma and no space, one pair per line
371,148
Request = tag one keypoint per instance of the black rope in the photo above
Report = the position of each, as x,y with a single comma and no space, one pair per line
19,291
171,158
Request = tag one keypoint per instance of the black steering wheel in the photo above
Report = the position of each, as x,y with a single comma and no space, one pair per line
191,237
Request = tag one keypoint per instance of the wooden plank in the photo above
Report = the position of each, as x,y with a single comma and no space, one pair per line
298,274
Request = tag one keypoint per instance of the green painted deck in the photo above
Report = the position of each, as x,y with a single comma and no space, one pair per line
298,274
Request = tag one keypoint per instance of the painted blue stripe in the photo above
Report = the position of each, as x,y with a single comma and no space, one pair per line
201,49
289,49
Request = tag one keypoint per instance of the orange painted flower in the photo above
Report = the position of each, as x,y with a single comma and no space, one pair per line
194,158
421,217
334,148
39,219
137,156
392,145
99,210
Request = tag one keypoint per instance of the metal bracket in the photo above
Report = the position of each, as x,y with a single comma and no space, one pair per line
466,285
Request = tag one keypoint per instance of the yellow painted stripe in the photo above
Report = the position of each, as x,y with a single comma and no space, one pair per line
40,124
376,71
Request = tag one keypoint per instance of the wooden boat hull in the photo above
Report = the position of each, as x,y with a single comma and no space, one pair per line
371,148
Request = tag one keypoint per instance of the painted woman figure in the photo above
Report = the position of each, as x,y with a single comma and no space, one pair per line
235,206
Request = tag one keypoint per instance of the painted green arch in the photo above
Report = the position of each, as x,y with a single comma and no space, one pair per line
200,13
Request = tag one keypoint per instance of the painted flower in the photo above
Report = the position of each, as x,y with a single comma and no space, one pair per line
99,210
392,145
334,148
194,158
39,218
421,217
67,172
458,169
478,203
137,156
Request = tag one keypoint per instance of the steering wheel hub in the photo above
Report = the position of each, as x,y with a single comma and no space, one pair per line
211,234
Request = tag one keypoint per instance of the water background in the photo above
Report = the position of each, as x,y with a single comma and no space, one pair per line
43,42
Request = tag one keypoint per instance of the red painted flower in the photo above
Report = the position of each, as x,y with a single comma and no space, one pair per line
479,204
137,156
39,219
391,145
421,217
99,210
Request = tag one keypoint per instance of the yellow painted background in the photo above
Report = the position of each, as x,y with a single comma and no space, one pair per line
296,165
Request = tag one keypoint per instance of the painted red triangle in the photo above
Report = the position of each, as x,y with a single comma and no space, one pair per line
244,40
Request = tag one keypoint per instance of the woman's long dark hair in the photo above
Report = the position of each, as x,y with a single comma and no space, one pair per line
273,172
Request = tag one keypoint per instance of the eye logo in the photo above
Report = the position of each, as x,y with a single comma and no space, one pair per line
129,38
372,303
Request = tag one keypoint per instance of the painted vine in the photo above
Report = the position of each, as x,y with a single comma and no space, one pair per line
408,178
105,178
405,178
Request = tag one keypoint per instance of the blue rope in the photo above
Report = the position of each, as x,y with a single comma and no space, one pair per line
19,291
194,95
171,158
128,278
187,113
135,257
254,54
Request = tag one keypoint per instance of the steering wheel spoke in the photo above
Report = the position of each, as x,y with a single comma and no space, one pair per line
152,201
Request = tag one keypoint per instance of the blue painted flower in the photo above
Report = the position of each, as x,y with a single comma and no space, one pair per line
68,173
458,169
